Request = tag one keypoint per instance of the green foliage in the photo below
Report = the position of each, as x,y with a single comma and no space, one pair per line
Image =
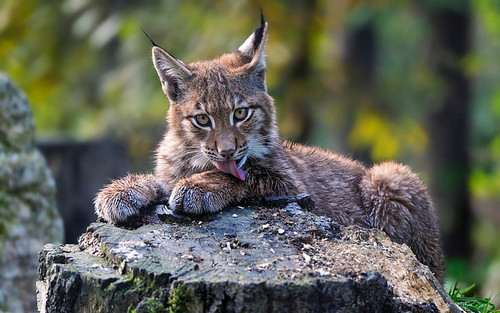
94,77
470,303
179,300
483,65
386,138
151,305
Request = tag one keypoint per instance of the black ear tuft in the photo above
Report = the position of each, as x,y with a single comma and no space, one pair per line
151,40
253,48
252,51
259,32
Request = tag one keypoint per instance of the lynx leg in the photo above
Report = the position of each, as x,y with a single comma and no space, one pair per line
399,204
126,197
206,192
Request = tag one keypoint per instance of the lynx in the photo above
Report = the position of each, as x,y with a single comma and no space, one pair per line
222,146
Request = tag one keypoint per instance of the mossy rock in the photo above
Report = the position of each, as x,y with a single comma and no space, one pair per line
28,214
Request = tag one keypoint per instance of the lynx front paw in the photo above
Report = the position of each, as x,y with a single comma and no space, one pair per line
205,193
194,200
125,198
117,206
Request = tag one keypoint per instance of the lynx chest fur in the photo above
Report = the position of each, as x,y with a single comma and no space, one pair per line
222,146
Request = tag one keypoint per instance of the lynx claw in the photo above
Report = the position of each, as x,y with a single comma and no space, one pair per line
126,198
116,207
193,200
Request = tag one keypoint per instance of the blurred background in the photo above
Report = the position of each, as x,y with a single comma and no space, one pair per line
414,81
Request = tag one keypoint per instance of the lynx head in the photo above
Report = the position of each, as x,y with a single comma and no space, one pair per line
220,110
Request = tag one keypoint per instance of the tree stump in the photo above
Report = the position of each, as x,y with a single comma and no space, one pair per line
269,256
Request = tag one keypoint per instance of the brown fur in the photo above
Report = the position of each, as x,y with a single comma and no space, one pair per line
387,196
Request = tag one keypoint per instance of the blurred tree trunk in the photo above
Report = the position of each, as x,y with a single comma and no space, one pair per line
360,60
298,96
449,122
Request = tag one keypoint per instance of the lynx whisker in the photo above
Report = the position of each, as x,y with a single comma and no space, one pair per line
257,147
200,162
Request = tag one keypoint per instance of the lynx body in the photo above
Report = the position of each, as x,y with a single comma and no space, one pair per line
222,146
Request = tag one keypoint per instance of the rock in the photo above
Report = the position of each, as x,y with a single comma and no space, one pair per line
246,259
28,214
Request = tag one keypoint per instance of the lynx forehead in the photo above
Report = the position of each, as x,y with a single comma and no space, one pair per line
222,146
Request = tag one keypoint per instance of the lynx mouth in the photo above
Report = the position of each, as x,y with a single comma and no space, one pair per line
232,167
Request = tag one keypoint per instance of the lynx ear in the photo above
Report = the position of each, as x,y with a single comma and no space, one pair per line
172,72
253,51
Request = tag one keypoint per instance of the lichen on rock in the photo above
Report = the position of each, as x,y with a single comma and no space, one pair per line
28,213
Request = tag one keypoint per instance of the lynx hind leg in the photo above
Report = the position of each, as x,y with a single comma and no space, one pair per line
126,197
399,204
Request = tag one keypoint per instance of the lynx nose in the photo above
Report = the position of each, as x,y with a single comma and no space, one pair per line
226,146
227,153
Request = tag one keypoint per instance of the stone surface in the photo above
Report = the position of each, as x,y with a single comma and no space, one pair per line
28,214
277,258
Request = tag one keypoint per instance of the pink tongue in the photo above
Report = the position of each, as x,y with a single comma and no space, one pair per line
230,167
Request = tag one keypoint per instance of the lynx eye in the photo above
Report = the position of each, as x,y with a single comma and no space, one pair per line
240,114
202,120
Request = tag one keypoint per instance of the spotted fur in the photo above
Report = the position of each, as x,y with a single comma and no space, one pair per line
203,129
